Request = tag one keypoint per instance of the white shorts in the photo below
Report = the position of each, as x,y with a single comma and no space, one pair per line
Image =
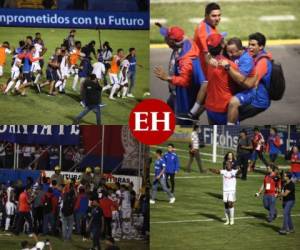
65,72
73,70
126,213
113,78
15,74
35,67
123,81
1,70
10,208
229,196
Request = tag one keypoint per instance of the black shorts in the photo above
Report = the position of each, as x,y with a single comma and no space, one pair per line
248,111
27,76
52,75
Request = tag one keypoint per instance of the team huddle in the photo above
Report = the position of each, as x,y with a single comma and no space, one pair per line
231,83
70,59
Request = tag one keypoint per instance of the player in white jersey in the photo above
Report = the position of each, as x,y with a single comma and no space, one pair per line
15,73
229,190
10,207
125,211
63,71
122,80
99,70
36,69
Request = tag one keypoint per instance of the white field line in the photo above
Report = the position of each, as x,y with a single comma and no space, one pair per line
277,18
205,220
198,20
158,20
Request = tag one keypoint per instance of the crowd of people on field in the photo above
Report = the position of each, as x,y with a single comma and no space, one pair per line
87,207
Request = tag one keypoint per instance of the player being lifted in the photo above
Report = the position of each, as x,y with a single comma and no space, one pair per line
75,54
114,69
229,190
122,84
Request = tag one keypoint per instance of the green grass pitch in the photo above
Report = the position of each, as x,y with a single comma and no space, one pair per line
195,220
43,109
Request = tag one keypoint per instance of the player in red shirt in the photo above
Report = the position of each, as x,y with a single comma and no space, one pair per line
258,143
272,187
24,210
207,27
107,206
295,163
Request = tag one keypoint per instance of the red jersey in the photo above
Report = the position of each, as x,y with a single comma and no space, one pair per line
258,141
24,202
202,31
220,88
107,206
295,162
270,184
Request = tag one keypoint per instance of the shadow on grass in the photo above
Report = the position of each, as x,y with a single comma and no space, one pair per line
76,97
257,215
215,195
268,225
211,216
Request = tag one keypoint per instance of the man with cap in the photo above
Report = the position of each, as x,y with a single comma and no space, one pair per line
57,176
185,74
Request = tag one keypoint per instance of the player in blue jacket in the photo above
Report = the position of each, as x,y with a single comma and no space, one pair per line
160,177
172,167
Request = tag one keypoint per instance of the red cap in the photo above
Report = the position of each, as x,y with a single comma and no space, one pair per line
176,33
214,40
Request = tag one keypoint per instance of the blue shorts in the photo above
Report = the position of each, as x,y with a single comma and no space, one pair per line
296,175
217,118
246,97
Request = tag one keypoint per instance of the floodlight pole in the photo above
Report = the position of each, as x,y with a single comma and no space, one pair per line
214,155
60,155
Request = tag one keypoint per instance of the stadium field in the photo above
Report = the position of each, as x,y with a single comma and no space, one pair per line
13,243
241,18
195,220
43,109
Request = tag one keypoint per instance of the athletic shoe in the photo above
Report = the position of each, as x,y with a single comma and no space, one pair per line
172,200
187,117
231,221
226,223
82,104
152,201
282,232
112,98
130,95
292,231
102,105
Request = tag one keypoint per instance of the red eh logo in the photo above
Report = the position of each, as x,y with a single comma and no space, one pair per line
152,121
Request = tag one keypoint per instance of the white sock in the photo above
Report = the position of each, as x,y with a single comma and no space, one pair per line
227,214
75,81
108,86
18,84
25,82
37,78
195,108
64,83
10,84
124,91
230,123
58,83
231,212
114,89
7,223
